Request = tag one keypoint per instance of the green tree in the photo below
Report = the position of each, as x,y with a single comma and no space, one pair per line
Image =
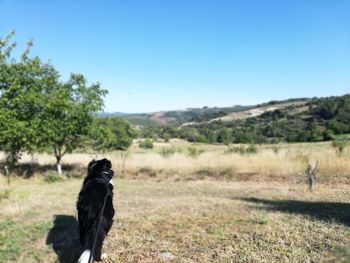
67,115
111,133
22,83
225,136
37,110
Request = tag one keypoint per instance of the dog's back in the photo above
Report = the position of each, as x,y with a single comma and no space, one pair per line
95,209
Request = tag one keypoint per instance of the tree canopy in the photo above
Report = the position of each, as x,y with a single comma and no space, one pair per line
40,111
22,85
111,133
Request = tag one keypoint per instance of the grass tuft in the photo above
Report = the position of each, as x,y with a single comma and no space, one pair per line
4,194
148,171
194,152
52,177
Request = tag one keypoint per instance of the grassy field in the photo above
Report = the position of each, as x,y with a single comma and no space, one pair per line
180,160
216,205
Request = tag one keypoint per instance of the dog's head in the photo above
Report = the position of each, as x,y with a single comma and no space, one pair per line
100,168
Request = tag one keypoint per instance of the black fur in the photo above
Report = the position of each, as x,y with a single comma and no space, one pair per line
96,188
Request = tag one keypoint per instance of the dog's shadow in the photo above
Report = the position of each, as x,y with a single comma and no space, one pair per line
64,238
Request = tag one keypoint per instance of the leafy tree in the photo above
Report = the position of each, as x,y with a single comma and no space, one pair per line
211,137
191,134
111,133
328,135
240,136
22,83
37,110
225,136
67,114
338,127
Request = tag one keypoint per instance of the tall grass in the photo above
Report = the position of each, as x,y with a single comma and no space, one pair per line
287,160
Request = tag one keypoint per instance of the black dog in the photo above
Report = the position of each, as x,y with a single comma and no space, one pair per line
95,209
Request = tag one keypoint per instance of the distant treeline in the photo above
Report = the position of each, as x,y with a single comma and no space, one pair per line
202,114
317,120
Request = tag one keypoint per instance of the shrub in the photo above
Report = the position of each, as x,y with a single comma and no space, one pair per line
243,149
166,137
148,170
236,149
194,152
5,194
146,144
340,145
328,135
52,177
251,149
167,151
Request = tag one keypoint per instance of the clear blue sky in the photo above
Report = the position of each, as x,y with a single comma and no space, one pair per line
172,54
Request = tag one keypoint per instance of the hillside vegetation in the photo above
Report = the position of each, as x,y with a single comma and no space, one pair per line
180,116
204,114
300,120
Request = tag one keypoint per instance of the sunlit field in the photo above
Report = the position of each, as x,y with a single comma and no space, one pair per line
180,160
182,202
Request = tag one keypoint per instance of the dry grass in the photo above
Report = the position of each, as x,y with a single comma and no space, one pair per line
278,162
188,221
247,208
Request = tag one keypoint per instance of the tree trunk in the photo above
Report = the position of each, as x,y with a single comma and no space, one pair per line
59,165
58,155
7,173
311,182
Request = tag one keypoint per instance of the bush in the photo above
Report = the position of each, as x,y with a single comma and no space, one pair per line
235,149
146,144
328,135
167,151
194,152
251,149
5,194
243,149
340,145
148,170
52,177
166,137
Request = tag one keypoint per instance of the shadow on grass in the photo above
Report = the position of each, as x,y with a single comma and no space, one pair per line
64,238
28,169
324,211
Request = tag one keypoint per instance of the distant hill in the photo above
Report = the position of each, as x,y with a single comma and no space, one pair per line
253,111
205,114
293,120
176,116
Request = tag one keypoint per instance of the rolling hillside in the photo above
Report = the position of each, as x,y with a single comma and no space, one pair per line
259,110
293,120
207,114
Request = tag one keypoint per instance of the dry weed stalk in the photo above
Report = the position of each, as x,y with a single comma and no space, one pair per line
311,174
